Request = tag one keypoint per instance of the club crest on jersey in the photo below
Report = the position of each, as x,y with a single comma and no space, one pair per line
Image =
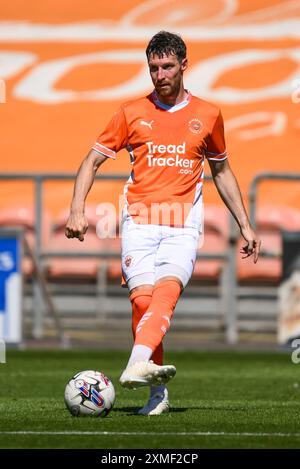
195,126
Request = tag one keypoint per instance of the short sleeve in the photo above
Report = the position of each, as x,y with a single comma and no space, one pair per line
114,136
216,148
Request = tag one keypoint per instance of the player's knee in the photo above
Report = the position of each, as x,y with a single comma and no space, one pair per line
140,300
167,293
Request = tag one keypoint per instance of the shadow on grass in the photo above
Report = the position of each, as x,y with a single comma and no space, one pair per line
134,410
178,410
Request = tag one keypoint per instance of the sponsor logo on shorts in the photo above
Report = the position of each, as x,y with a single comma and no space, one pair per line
195,126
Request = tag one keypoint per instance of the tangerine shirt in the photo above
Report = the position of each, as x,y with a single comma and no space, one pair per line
167,146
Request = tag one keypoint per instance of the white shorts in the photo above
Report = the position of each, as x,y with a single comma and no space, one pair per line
150,252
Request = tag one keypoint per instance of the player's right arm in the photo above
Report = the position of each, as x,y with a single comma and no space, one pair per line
111,140
77,224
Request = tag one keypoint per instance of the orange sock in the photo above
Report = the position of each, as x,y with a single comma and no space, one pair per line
156,320
140,301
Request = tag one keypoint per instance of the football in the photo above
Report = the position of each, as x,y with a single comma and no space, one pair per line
89,393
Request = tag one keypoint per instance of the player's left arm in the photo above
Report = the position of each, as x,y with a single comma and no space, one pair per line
230,193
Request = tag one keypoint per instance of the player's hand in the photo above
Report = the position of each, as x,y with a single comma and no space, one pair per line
76,226
252,248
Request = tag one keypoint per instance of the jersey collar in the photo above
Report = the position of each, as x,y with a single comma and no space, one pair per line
175,107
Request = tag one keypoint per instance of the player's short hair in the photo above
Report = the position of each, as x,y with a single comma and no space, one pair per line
166,43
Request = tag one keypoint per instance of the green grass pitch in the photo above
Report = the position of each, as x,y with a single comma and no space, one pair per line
218,400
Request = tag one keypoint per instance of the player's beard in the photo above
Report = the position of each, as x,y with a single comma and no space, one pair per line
164,91
168,91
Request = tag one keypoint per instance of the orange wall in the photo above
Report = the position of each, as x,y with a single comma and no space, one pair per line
250,48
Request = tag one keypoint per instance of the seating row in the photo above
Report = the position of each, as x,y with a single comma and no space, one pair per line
270,221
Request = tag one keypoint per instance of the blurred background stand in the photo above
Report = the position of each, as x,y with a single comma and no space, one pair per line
11,286
289,290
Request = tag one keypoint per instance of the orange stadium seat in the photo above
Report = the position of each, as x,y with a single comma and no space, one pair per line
270,220
113,244
114,268
210,270
24,217
216,218
216,230
277,217
267,270
80,267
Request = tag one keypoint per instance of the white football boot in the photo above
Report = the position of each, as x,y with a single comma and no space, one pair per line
145,373
158,404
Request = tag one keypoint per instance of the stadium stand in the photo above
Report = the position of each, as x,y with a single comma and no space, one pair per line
24,217
270,220
277,217
66,268
82,90
114,268
80,268
216,219
215,241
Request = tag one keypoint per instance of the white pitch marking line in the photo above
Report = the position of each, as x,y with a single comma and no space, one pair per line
29,432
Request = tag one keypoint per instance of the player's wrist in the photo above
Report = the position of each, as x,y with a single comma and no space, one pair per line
244,224
77,209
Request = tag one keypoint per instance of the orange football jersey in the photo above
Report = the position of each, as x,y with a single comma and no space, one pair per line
167,146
